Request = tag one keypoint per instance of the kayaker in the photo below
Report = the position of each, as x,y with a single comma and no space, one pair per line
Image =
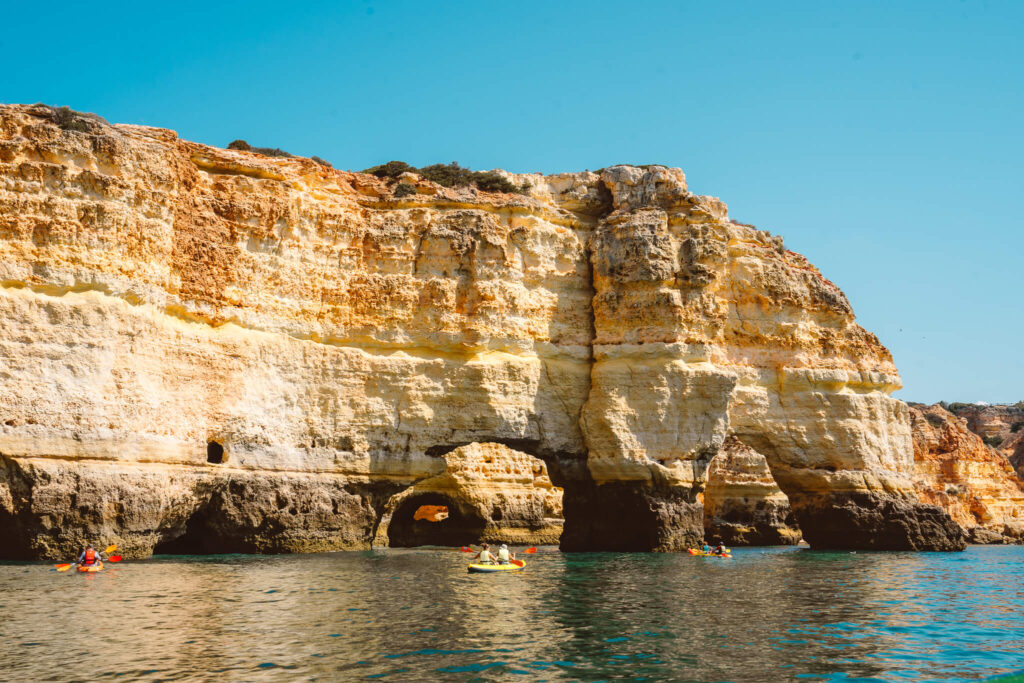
706,549
504,556
484,555
89,556
720,549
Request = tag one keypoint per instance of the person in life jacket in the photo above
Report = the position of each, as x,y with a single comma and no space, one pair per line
706,549
485,556
720,549
504,556
89,556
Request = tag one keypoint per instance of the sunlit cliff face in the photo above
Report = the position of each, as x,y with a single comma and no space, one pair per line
336,341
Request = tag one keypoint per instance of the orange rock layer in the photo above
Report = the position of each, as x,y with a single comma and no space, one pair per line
973,482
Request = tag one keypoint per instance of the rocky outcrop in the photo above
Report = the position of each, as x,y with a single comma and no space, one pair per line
51,506
973,482
1000,426
197,330
743,505
994,423
488,492
706,328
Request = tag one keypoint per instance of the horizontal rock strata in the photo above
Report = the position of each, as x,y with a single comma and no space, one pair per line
334,341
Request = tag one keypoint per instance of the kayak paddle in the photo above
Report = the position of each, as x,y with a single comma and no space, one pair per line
530,551
109,549
467,549
64,567
114,558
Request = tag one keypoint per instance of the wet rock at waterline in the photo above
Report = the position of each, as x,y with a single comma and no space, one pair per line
256,353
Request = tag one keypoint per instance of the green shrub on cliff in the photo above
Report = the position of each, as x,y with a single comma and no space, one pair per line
993,441
392,169
1017,426
79,121
404,190
244,146
450,175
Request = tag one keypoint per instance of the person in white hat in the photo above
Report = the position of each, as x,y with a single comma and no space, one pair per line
504,556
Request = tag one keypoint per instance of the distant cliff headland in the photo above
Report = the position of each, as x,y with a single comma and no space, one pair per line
213,350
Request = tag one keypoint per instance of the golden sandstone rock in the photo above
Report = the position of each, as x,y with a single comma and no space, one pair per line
209,349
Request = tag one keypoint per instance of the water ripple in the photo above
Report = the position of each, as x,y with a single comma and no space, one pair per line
768,614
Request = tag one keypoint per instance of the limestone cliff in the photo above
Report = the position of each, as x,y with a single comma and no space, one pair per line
743,505
974,482
207,347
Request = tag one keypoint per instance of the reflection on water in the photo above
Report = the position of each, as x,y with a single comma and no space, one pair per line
766,614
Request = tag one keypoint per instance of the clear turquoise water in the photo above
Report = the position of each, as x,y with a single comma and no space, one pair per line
765,615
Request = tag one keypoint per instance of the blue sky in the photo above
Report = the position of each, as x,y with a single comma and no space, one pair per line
883,140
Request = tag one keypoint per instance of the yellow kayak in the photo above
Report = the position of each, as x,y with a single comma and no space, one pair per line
98,567
514,566
701,553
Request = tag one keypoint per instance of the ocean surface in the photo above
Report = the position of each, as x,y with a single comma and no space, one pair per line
767,614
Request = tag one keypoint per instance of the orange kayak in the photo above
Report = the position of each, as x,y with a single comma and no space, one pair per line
701,553
98,567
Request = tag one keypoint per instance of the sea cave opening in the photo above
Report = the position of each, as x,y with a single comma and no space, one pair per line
196,539
433,519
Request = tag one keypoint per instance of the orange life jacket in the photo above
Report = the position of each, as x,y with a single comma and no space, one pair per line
90,556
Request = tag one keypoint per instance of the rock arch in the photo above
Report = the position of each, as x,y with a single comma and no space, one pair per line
463,524
491,492
743,504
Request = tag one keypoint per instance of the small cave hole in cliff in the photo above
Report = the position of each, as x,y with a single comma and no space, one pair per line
214,453
433,519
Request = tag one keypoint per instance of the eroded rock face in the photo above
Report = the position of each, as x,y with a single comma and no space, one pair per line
490,492
49,507
706,328
743,505
337,340
1000,426
973,482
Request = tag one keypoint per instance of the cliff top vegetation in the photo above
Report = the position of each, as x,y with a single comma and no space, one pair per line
244,146
450,175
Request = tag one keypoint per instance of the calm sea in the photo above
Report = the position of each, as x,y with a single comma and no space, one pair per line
766,615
